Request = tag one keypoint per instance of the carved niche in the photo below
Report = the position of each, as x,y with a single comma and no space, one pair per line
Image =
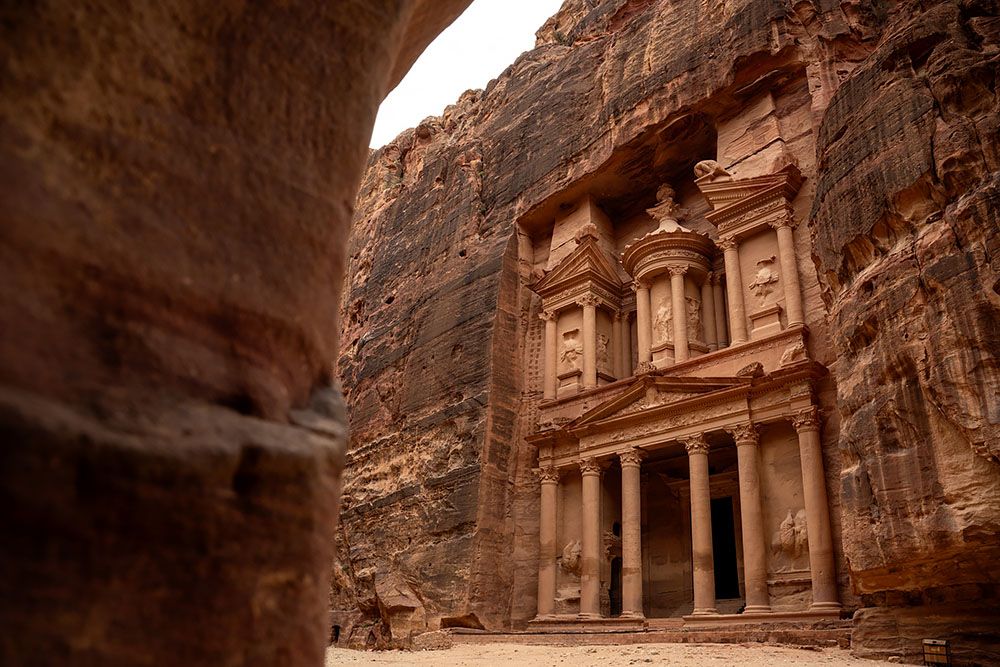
765,280
663,328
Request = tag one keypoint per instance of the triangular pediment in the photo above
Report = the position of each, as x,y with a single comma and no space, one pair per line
653,391
587,262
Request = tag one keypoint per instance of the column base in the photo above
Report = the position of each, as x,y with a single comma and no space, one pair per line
588,616
825,606
542,618
632,615
757,609
707,611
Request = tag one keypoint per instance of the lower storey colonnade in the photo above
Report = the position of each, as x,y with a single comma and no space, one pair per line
755,545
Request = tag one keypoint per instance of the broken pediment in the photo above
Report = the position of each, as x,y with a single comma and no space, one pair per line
741,204
588,263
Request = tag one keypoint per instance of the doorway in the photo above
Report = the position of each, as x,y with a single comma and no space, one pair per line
727,581
615,589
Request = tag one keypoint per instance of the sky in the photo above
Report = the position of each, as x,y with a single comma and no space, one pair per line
476,48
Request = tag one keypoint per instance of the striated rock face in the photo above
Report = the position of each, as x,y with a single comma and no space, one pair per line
888,108
176,189
907,235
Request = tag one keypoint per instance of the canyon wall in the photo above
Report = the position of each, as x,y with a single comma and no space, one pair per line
441,335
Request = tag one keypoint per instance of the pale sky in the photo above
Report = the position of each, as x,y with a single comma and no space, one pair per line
476,48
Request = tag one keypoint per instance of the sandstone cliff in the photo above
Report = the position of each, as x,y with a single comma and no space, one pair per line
899,153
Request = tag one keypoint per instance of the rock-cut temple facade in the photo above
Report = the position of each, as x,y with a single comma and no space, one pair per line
687,322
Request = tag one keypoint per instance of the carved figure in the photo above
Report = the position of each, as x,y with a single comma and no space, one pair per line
603,362
793,353
663,324
667,211
570,561
791,541
754,369
713,169
693,318
763,282
572,350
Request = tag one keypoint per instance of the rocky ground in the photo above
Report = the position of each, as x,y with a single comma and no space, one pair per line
746,655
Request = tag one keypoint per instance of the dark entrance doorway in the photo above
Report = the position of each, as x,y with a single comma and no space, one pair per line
727,582
615,590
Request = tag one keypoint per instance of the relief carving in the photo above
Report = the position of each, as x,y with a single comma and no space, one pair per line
693,318
603,360
663,328
790,543
763,283
572,351
794,352
667,211
570,561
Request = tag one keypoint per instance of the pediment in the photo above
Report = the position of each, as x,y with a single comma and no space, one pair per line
651,391
724,194
587,263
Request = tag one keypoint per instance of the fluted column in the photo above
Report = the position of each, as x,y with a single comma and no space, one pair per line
702,562
547,541
737,311
720,311
590,563
754,547
551,354
679,310
589,305
821,564
708,314
789,270
643,324
631,534
617,334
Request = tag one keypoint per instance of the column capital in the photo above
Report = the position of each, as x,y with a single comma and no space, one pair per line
547,315
620,316
548,475
639,284
727,244
695,444
587,300
743,434
786,220
806,420
632,457
677,269
717,276
590,467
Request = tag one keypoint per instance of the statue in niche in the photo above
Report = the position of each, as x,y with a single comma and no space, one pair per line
713,170
572,350
667,211
603,362
790,543
663,325
693,318
763,282
570,561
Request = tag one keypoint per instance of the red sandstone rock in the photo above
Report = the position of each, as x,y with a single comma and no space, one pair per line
890,112
176,182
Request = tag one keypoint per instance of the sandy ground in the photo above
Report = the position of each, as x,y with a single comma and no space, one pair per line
708,655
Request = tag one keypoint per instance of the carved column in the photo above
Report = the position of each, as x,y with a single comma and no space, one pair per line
824,576
626,345
644,326
789,270
720,311
617,332
589,305
679,307
734,283
590,563
551,354
631,534
754,545
547,541
708,314
702,562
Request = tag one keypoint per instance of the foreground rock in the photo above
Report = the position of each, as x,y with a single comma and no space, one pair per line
176,192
